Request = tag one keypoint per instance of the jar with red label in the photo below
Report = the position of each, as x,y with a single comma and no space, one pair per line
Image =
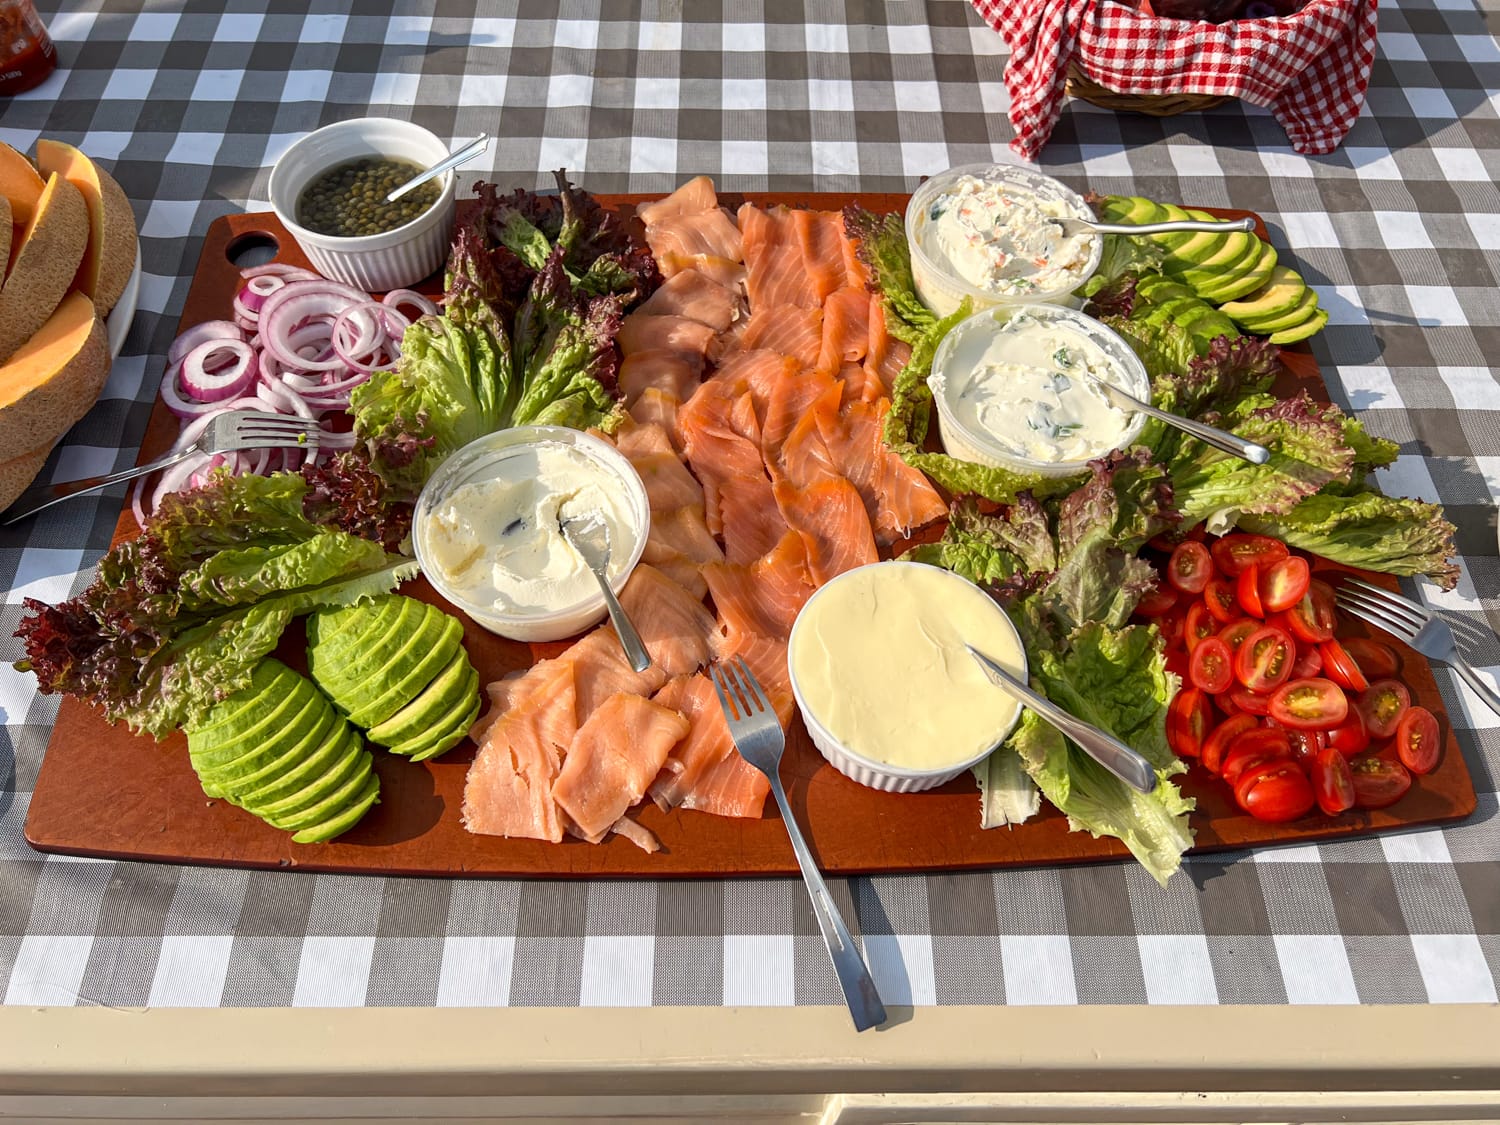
27,54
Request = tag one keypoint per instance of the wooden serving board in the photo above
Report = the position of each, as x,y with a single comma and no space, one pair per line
104,792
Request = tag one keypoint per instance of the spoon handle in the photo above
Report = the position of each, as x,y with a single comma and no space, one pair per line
1121,760
630,640
1225,227
1222,440
452,160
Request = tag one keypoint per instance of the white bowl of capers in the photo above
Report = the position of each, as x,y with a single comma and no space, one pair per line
329,191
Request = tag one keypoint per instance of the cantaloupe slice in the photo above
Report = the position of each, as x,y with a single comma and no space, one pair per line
110,257
44,264
6,230
19,183
17,473
54,378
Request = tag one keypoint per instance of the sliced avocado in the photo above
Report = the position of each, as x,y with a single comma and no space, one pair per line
449,726
288,732
1304,311
278,757
335,628
319,788
1234,249
1310,328
290,773
1156,288
369,701
1222,291
1197,250
360,664
402,691
326,659
1281,293
334,802
435,700
1140,210
1114,208
1207,280
234,712
272,724
344,820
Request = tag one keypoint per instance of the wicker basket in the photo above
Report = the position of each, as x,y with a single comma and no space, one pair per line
1082,86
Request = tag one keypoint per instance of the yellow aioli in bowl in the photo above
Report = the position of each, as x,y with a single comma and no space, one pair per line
878,659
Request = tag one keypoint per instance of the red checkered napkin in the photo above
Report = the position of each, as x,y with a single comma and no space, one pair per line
1310,68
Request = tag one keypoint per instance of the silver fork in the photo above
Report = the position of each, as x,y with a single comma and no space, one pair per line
226,433
757,736
1413,624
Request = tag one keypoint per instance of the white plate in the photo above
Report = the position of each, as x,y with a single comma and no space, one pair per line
117,323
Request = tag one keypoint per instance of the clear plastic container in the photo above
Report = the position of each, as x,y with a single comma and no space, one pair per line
482,459
860,767
940,288
375,263
954,358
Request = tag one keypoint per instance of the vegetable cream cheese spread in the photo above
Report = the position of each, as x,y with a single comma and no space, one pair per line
1002,239
498,542
878,658
1025,387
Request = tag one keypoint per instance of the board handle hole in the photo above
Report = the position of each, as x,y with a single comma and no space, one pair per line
254,248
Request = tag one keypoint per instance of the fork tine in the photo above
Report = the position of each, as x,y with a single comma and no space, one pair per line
715,673
1406,618
752,685
1382,595
743,697
1379,620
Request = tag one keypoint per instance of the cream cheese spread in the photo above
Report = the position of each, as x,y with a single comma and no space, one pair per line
1026,388
878,659
1003,240
498,542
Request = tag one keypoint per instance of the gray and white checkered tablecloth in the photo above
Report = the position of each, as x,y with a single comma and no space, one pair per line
1399,231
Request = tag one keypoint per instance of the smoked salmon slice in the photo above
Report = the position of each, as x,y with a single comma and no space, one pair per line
764,597
752,523
846,329
789,399
831,518
674,372
691,198
707,234
897,496
727,272
820,236
669,485
612,759
785,330
654,407
508,789
776,267
704,771
695,296
676,334
676,627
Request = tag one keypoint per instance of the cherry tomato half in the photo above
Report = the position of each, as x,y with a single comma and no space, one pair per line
1255,702
1284,583
1350,737
1198,623
1333,781
1233,553
1417,742
1310,704
1263,744
1309,661
1247,591
1306,745
1190,567
1382,706
1342,668
1275,791
1234,635
1221,736
1378,782
1264,662
1219,597
1375,660
1315,617
1211,666
1157,602
1188,720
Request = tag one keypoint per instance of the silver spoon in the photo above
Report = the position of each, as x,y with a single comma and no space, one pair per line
1221,440
1070,227
452,160
589,536
1106,749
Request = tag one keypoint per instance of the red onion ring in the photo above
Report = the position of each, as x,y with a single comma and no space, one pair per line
198,333
399,298
209,382
281,270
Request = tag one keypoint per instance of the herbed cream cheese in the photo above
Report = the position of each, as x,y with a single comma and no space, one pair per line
1025,387
1002,239
879,660
498,542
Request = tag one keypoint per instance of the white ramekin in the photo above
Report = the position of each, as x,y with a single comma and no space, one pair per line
478,460
869,771
967,444
941,290
373,262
